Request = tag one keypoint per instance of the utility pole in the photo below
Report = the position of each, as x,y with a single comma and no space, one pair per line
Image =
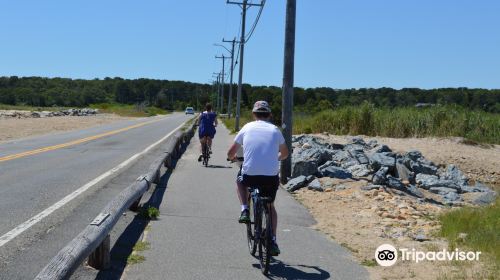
287,94
244,7
230,100
223,71
216,105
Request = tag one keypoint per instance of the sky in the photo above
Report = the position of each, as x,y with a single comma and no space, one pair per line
339,43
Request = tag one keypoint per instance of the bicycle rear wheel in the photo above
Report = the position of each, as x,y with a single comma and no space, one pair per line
205,154
265,240
252,245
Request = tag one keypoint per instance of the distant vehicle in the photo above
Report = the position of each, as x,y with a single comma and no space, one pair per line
189,110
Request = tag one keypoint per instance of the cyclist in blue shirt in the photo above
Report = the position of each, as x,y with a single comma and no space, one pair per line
206,131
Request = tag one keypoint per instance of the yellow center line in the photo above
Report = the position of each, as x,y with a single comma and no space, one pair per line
72,143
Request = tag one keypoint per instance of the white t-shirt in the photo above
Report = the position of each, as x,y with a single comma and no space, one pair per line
260,141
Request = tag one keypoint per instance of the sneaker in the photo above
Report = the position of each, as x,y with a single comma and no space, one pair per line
275,250
200,157
244,217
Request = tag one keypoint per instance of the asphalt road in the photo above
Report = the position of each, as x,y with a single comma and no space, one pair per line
38,172
197,235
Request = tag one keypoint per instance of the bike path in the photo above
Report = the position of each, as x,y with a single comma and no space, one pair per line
197,235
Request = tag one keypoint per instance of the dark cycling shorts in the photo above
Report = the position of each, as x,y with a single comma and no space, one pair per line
210,134
267,185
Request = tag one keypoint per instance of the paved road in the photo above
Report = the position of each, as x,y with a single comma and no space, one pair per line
198,237
38,172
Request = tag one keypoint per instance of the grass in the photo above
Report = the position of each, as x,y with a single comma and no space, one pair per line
150,213
141,246
128,110
30,108
135,259
400,122
403,122
482,226
371,262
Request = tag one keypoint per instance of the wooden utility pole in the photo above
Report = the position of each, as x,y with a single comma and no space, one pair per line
223,74
287,94
230,101
244,5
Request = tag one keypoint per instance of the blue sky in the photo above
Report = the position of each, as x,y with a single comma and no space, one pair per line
339,43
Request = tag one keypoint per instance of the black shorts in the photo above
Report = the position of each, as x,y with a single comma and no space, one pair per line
267,185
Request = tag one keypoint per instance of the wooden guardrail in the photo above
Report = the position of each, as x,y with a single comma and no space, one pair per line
94,241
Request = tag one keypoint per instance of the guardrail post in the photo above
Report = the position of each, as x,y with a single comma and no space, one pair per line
156,180
100,259
135,206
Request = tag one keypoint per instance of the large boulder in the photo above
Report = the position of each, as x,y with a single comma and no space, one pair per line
335,172
379,176
296,183
315,185
379,160
485,198
359,170
359,156
306,161
452,173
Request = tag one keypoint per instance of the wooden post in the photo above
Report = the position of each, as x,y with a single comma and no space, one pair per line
100,259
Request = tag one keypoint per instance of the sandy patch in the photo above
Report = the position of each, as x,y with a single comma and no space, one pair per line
362,220
13,128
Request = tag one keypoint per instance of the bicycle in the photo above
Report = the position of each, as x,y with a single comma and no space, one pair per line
259,229
205,150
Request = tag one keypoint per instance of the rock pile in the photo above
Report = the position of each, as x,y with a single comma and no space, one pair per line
409,173
46,114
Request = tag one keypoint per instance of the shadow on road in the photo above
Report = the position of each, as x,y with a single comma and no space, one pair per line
280,270
124,246
218,166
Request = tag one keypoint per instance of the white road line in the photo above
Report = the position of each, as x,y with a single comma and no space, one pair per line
37,218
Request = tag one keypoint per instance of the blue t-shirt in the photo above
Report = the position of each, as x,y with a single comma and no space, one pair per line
207,120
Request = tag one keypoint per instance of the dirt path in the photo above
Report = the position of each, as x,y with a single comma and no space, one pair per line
12,128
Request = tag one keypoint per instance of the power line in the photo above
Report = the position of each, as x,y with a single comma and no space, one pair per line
249,35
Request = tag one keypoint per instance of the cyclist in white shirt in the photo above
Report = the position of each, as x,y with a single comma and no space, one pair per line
263,148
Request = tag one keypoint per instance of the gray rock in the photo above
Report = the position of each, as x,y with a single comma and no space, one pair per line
451,197
420,167
380,149
296,183
485,198
303,167
359,155
379,160
359,170
379,176
370,187
335,172
414,155
420,237
404,173
315,185
442,190
341,187
413,190
358,140
454,174
426,181
372,143
395,183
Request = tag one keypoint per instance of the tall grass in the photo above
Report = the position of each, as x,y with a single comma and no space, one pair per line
482,226
440,121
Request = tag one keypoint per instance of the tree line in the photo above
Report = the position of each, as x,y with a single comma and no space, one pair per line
176,95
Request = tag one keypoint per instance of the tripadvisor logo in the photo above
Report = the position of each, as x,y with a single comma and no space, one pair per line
387,255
